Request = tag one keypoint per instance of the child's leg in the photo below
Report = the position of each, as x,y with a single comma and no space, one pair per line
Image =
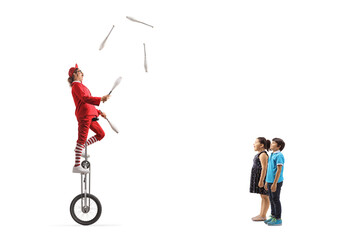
276,200
83,130
100,134
262,215
271,196
264,205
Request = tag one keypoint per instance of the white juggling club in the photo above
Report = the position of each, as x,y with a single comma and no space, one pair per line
103,43
112,126
145,61
134,20
117,82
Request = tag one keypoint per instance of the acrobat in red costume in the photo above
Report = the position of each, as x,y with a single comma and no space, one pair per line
85,112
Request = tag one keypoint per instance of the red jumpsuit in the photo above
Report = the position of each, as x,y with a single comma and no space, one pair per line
85,112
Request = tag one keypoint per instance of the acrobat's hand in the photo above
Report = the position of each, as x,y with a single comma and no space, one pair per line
266,188
103,114
261,184
105,98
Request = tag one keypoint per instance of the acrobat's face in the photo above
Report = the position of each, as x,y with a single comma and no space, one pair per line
78,75
274,146
257,145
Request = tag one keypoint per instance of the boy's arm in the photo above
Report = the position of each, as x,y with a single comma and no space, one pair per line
279,161
277,175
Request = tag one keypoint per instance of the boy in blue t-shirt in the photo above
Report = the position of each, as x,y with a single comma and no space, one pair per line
274,180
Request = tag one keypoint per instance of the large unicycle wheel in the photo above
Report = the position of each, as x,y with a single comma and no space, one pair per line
85,214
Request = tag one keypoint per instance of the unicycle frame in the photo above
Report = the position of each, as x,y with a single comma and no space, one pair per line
82,212
85,184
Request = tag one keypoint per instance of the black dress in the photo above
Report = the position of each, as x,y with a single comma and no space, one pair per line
255,176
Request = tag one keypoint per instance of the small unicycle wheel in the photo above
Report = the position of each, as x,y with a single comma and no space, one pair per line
85,209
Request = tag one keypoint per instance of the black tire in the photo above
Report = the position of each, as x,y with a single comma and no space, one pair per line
75,212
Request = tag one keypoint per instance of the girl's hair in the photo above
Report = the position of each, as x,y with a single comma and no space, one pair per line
70,80
280,143
266,143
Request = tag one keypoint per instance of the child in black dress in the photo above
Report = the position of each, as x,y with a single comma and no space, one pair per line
258,174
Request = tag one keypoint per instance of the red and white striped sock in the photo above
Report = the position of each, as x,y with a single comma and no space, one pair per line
91,140
78,150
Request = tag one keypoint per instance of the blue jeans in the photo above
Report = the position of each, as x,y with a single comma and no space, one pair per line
275,200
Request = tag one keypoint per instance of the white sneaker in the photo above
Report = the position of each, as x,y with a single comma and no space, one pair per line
80,169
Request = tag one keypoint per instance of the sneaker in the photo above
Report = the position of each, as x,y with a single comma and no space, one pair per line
80,169
275,222
269,220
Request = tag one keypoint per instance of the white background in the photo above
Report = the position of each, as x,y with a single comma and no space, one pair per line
221,74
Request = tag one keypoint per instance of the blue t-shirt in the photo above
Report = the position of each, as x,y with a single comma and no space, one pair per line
276,158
